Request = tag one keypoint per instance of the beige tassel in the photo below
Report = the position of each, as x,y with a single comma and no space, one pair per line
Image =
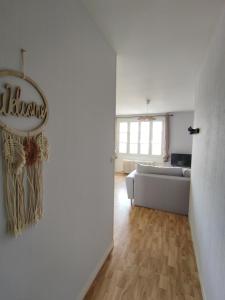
42,143
34,199
23,163
14,159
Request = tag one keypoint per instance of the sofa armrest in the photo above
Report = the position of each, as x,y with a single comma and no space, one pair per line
130,185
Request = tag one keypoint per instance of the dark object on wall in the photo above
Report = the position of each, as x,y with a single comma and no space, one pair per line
181,160
193,131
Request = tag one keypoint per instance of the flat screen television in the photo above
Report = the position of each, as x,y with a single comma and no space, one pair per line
181,160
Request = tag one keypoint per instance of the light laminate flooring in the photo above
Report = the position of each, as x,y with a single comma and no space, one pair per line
152,259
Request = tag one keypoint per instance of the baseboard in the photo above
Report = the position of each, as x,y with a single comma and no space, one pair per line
95,272
197,260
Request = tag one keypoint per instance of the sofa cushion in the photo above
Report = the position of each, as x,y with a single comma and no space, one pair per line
171,171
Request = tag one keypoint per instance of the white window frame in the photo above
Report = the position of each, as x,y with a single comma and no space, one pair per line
129,120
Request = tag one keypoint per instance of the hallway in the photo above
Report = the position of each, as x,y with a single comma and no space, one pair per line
152,258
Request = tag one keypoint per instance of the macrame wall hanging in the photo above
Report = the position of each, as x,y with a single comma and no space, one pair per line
23,151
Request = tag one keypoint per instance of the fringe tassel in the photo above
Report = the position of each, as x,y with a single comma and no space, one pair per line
35,199
14,201
23,206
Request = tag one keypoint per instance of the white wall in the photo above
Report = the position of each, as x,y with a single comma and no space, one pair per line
180,139
76,68
207,202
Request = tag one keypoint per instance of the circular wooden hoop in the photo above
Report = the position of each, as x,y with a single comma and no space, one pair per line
37,129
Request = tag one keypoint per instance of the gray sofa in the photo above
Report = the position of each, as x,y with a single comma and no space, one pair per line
168,192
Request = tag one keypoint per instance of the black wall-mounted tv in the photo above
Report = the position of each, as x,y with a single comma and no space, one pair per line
181,160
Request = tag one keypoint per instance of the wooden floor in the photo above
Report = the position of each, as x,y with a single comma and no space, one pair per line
152,258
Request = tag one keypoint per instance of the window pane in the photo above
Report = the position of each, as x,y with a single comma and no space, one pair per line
144,137
134,127
133,148
123,127
157,132
144,132
144,148
133,132
123,147
157,127
123,137
123,131
156,149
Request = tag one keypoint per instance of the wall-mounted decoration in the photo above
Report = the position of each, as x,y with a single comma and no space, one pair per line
193,130
24,150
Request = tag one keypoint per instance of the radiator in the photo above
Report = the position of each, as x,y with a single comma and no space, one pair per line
129,166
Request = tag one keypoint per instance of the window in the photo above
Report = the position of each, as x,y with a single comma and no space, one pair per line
141,137
144,138
123,137
157,137
133,144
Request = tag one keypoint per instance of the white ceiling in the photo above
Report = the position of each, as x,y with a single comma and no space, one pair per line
161,45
